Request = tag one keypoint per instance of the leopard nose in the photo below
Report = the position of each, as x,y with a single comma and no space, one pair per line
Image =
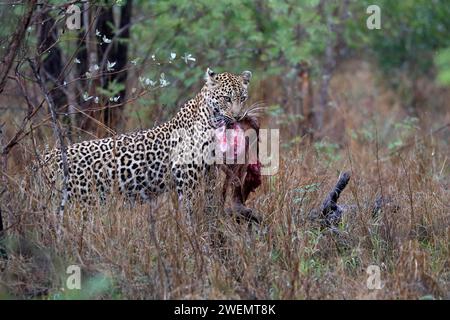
236,110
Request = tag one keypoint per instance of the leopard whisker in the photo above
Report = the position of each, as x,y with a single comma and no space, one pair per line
255,109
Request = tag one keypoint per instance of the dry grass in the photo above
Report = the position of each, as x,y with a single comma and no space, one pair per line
148,251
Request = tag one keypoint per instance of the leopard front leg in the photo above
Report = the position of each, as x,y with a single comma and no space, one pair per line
213,201
185,187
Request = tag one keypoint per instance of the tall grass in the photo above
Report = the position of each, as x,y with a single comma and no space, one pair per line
148,251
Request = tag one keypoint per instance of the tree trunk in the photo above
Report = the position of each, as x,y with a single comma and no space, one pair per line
114,52
307,102
332,53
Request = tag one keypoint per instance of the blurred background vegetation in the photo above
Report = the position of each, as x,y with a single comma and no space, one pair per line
293,48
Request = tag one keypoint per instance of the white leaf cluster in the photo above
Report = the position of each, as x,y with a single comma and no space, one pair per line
188,57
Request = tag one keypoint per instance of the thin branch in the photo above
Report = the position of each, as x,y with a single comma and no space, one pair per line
30,114
16,41
3,254
58,136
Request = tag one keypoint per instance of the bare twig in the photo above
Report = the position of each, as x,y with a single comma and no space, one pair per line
3,254
161,261
32,110
15,43
58,136
409,144
410,194
2,233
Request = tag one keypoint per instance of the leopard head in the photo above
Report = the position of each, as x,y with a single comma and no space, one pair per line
226,93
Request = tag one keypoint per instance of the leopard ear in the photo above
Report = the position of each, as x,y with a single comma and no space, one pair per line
210,77
246,76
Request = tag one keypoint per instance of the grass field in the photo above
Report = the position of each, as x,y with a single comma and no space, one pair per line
149,252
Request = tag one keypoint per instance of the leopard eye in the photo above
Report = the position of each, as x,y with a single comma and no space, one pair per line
227,99
243,98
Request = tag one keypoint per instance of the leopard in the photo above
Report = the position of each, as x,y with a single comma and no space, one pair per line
175,155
